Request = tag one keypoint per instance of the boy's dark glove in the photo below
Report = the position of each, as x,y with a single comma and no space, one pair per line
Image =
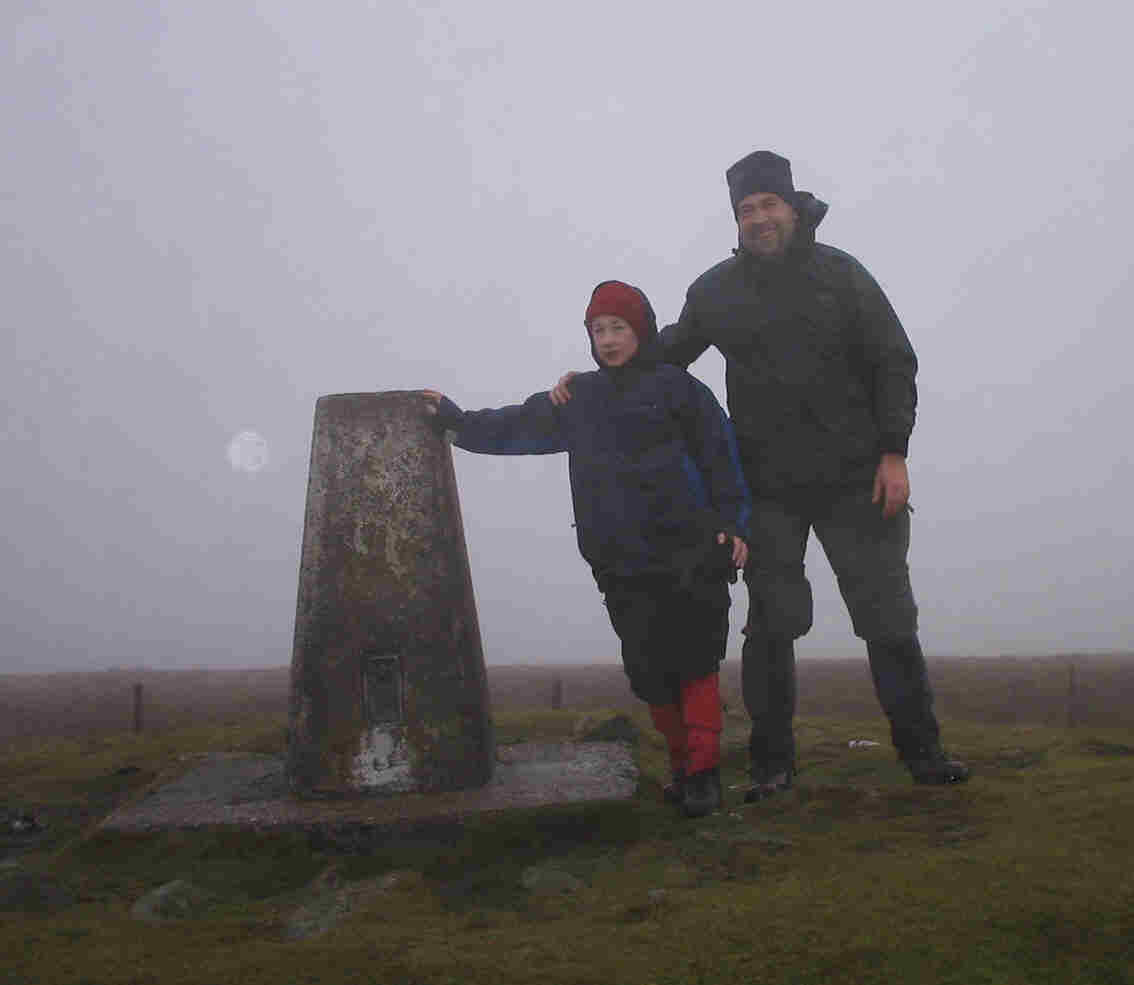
449,415
720,559
708,562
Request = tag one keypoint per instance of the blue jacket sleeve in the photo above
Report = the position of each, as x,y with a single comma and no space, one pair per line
531,428
712,445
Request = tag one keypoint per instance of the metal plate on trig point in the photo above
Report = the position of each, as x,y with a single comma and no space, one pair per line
382,688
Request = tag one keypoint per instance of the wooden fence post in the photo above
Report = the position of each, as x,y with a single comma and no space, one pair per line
137,707
1072,695
557,694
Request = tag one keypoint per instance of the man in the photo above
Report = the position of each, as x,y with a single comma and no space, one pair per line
820,378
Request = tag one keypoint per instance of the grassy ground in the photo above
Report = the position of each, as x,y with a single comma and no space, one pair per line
1021,876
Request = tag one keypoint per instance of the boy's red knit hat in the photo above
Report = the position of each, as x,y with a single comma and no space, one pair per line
612,297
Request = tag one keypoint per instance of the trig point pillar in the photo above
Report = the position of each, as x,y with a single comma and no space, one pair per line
388,690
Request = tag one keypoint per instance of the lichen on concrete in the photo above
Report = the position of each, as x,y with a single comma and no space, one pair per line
384,575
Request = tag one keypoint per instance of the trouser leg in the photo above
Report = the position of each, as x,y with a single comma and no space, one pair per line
701,715
668,720
669,634
768,684
779,611
868,554
901,682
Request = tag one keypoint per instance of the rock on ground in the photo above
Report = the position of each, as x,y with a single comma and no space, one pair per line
31,892
176,900
546,881
331,900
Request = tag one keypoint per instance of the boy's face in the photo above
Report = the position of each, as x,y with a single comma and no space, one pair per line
614,340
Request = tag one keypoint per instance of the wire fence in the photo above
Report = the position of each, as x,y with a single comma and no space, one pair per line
1073,691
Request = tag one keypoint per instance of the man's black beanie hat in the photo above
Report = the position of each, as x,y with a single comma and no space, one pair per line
760,171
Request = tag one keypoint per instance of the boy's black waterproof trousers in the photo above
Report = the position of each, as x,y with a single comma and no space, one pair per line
671,632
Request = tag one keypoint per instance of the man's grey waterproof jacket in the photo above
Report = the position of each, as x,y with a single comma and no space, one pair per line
820,372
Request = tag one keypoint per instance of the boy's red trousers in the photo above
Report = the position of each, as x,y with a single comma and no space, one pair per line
692,728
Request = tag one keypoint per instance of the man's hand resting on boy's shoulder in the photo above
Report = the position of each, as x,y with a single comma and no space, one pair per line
739,548
559,393
448,414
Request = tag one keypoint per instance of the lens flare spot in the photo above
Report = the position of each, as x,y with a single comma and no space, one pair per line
247,452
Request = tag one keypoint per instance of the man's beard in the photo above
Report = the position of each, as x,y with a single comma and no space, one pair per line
755,246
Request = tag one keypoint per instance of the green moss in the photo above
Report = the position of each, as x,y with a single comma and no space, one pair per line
853,876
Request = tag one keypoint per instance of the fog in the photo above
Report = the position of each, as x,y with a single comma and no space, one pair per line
213,213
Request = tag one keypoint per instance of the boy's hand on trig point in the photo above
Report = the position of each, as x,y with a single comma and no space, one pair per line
559,393
739,549
446,413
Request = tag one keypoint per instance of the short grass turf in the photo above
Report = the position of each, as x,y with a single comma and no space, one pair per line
1022,875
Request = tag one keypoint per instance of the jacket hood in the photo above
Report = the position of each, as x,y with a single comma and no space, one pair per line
649,350
810,211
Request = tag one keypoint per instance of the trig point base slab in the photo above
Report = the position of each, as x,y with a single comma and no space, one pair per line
246,791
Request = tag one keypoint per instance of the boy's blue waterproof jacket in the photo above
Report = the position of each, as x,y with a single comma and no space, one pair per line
653,463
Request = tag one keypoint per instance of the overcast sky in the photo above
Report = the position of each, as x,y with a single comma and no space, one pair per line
211,213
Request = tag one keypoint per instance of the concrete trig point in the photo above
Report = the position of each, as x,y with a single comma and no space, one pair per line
388,690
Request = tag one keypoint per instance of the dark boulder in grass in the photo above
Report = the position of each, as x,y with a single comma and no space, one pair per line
31,892
20,822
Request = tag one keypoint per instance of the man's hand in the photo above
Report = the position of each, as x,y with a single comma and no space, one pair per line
739,549
891,484
559,393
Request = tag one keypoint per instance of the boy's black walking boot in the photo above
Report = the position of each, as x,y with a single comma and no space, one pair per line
702,793
674,791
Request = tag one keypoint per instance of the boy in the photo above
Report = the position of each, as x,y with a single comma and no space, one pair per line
661,510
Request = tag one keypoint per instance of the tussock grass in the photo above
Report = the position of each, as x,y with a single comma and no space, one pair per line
1021,876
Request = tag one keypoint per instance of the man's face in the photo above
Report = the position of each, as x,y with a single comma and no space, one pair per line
767,224
614,340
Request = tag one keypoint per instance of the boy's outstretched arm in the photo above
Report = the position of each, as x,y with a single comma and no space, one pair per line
530,428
